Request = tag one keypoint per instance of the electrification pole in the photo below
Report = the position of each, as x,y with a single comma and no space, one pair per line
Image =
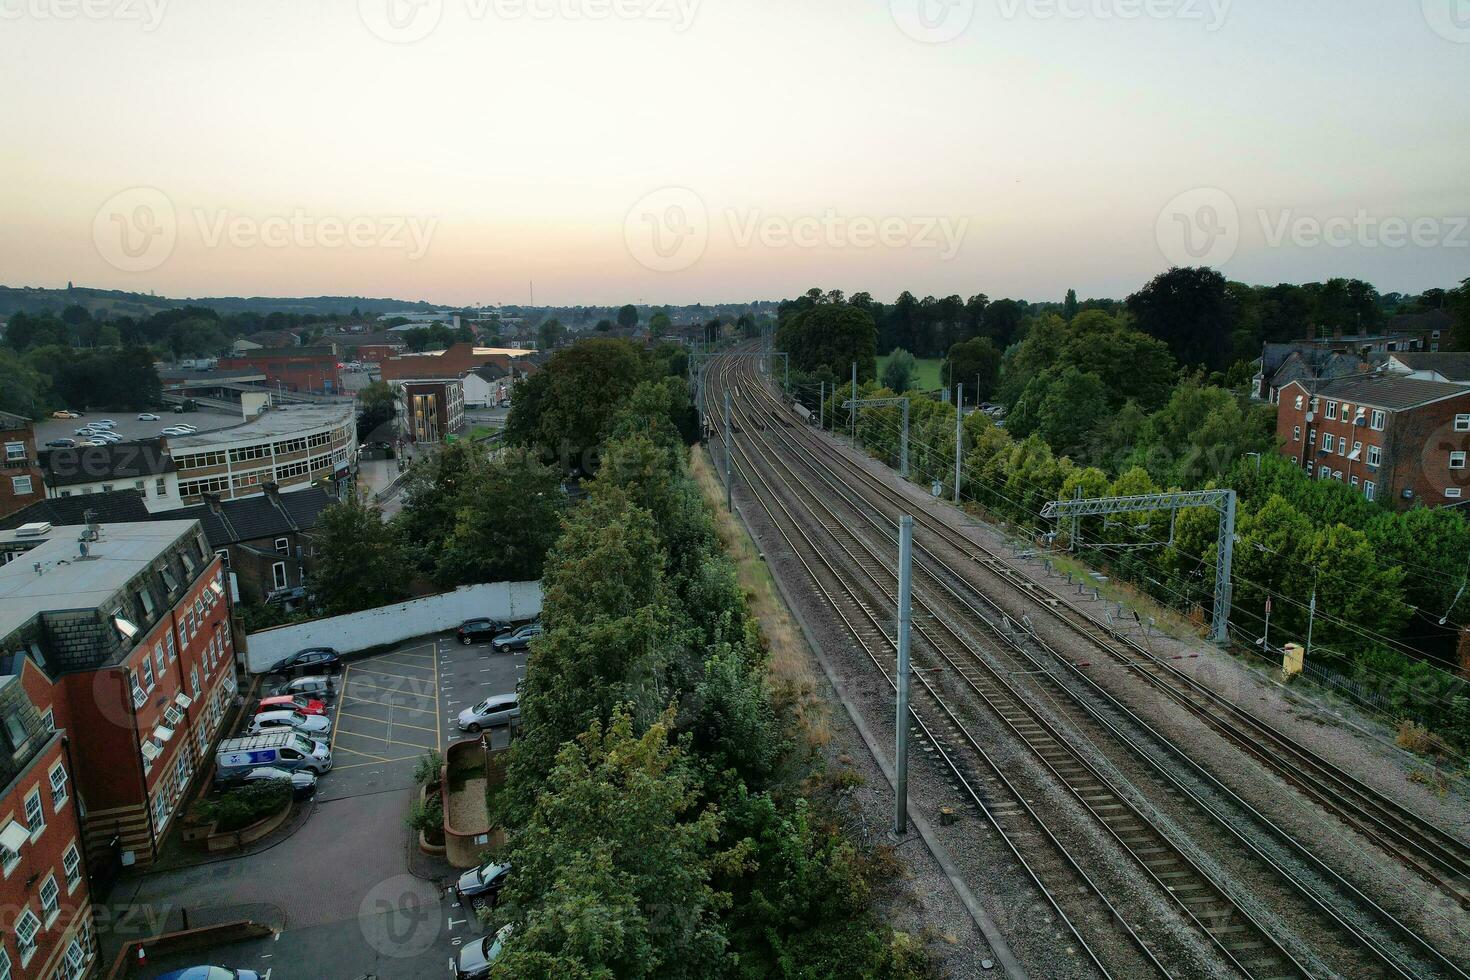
853,415
729,471
901,763
959,437
822,406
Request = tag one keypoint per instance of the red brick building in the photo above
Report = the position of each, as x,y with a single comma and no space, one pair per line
45,893
294,369
21,482
1399,440
454,362
121,634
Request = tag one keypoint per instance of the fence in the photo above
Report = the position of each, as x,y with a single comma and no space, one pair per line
392,624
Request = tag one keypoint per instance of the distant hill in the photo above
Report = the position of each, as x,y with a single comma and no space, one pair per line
117,302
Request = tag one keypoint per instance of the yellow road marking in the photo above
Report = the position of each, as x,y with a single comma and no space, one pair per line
359,765
332,742
365,755
386,741
385,704
404,677
438,708
393,690
381,721
398,663
402,653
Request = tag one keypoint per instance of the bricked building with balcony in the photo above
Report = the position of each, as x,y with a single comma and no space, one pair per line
21,482
1399,440
46,928
121,635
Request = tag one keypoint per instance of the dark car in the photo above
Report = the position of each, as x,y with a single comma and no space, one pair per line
314,660
481,886
317,688
517,640
61,443
473,630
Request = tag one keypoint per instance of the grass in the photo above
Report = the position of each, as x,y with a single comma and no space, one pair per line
926,373
790,666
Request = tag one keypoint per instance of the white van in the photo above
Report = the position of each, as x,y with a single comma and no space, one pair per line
281,749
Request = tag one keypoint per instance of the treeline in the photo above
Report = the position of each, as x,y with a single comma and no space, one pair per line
1205,320
51,377
666,818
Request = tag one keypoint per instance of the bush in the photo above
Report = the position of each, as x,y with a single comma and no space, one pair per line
427,817
238,808
427,769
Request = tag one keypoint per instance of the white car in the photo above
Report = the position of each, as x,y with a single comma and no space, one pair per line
309,725
174,430
107,436
302,781
148,417
104,424
496,710
87,430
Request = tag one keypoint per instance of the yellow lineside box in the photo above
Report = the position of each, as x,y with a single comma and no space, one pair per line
1292,661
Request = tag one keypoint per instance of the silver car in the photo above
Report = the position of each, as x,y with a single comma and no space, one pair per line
313,726
496,710
476,958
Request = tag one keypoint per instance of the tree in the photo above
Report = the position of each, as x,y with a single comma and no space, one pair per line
628,317
1189,309
831,336
976,364
23,389
659,325
377,408
604,326
550,333
898,373
360,560
503,528
438,486
583,386
1069,305
1072,406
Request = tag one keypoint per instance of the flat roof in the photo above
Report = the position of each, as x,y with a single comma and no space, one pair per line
69,581
283,420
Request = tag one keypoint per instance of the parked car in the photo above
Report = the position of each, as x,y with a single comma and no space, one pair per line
318,688
107,437
287,702
173,430
85,430
311,726
105,424
496,710
303,781
480,629
313,660
475,958
518,639
283,748
210,973
61,444
148,417
481,886
64,414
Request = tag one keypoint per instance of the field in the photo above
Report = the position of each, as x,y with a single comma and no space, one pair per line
926,373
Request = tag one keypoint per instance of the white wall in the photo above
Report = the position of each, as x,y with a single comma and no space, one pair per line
396,623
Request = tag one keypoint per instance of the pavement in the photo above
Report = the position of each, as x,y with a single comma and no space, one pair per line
342,890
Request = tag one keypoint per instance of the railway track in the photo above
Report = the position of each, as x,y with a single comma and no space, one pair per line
1241,939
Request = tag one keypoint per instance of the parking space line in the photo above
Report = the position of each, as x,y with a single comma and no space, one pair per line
403,677
405,653
359,765
438,714
388,722
385,704
399,663
365,755
386,741
393,690
332,742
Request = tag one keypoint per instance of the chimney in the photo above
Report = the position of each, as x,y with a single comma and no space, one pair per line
272,491
212,501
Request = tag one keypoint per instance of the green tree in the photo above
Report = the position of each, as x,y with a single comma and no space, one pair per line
628,317
360,560
898,373
659,325
505,526
974,363
1069,305
23,389
831,336
377,408
438,486
550,334
1190,310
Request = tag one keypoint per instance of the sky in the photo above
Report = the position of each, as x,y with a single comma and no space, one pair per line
679,151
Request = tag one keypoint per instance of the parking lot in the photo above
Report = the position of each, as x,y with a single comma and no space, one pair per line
128,427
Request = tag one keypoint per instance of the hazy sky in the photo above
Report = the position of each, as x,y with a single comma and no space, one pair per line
714,150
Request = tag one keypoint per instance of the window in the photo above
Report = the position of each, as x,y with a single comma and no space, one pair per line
1332,410
1299,402
283,546
1370,490
14,451
107,488
71,865
49,893
1355,481
48,718
1457,461
160,659
20,485
4,964
1296,433
147,674
1310,467
194,680
1380,420
1453,493
1312,436
1462,423
35,816
1328,442
140,486
146,598
76,961
160,487
26,927
194,488
278,574
59,793
15,732
1337,475
1375,456
173,651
